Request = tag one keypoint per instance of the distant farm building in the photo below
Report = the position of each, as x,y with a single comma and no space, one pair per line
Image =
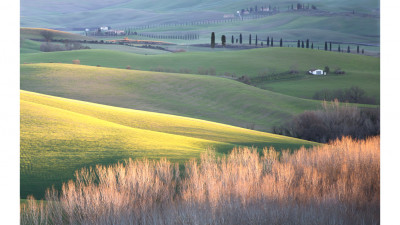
317,72
226,16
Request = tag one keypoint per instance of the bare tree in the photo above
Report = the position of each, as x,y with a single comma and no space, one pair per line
47,35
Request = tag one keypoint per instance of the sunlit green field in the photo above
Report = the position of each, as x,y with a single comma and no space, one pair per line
362,71
61,135
203,97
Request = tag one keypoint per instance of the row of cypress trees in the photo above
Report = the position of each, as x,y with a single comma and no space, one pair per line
270,42
239,40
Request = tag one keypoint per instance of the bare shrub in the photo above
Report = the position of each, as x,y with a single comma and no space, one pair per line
76,61
128,67
244,79
294,69
48,47
353,94
337,183
212,71
332,122
47,35
185,70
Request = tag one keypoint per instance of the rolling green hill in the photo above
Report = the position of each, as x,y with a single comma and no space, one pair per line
203,97
35,33
73,13
59,136
362,71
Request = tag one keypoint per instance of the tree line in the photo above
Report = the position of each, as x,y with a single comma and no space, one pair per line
269,42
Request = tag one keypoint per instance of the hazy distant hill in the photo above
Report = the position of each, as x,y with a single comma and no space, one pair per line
74,13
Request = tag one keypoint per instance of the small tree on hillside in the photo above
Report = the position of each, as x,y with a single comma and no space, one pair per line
280,43
338,48
348,48
256,40
47,35
307,43
298,43
358,49
330,46
223,40
212,40
240,38
312,45
268,41
250,39
302,44
233,41
326,46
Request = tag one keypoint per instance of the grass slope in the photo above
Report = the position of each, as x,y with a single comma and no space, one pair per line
29,46
61,135
73,13
362,71
34,33
203,97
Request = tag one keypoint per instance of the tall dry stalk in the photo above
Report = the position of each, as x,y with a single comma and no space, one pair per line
338,183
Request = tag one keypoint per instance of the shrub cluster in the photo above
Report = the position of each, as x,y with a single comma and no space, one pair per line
337,183
353,94
68,46
332,122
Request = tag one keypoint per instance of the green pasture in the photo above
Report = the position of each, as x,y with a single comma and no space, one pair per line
59,136
361,71
203,97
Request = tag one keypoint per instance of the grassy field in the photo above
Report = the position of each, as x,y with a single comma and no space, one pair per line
362,71
289,26
61,135
35,33
45,13
128,49
29,46
203,97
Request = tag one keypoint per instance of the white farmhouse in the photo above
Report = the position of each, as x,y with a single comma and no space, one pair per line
317,72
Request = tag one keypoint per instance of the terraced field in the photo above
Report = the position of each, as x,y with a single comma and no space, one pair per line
60,135
362,71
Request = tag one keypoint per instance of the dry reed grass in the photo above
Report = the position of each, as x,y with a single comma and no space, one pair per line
337,183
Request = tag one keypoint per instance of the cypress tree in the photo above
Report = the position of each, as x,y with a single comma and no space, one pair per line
307,43
250,39
330,46
256,40
268,41
302,44
280,43
240,38
362,51
223,40
232,39
348,48
298,43
326,46
212,40
358,49
338,48
312,45
272,42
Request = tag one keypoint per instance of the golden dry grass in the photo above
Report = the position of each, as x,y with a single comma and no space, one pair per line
331,184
